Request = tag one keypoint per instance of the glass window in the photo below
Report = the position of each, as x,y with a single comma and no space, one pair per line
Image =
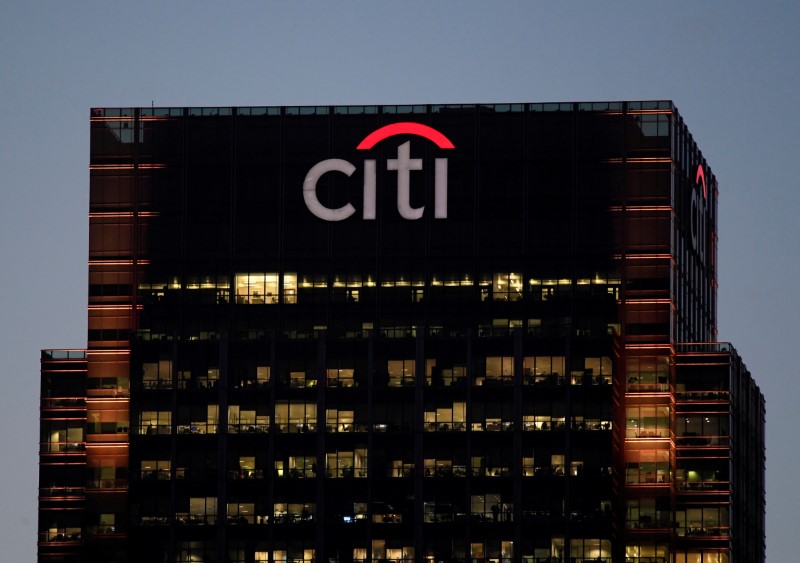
647,374
241,513
157,375
499,371
339,420
201,510
444,374
294,513
702,429
155,422
247,419
155,469
507,287
343,464
647,421
647,467
446,418
401,372
341,377
295,417
491,508
543,370
245,468
302,466
290,287
402,468
263,288
703,521
299,379
198,419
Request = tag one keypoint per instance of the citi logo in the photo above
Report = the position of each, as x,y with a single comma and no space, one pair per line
403,165
698,212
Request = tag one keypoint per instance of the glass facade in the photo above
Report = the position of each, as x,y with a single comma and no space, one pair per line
404,333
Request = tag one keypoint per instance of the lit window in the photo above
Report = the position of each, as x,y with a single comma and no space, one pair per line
290,288
157,375
499,370
401,372
339,420
340,377
155,422
647,422
343,464
446,419
242,419
507,287
155,470
263,288
296,417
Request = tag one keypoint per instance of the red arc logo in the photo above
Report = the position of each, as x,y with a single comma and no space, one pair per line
405,128
701,177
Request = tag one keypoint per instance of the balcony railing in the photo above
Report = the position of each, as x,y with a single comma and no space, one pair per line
246,474
693,440
703,486
107,484
61,535
248,428
63,447
710,396
704,531
61,492
64,354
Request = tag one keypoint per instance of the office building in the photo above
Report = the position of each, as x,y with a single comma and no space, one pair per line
401,333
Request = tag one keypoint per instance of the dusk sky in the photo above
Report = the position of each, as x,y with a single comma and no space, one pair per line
732,68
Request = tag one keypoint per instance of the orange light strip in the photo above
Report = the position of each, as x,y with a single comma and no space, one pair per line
648,346
98,400
645,208
158,118
113,214
650,112
648,256
117,262
646,159
639,160
126,166
111,167
114,307
109,352
132,119
101,118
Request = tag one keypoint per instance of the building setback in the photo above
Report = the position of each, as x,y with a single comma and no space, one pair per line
401,333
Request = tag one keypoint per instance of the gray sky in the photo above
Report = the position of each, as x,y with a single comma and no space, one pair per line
731,67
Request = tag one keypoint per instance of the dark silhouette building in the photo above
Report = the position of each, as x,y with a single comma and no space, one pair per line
401,333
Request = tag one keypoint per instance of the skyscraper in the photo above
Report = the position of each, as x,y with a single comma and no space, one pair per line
401,333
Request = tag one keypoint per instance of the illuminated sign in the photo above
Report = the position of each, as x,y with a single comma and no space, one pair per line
403,165
697,213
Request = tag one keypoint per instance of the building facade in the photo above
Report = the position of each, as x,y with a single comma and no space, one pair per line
401,333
